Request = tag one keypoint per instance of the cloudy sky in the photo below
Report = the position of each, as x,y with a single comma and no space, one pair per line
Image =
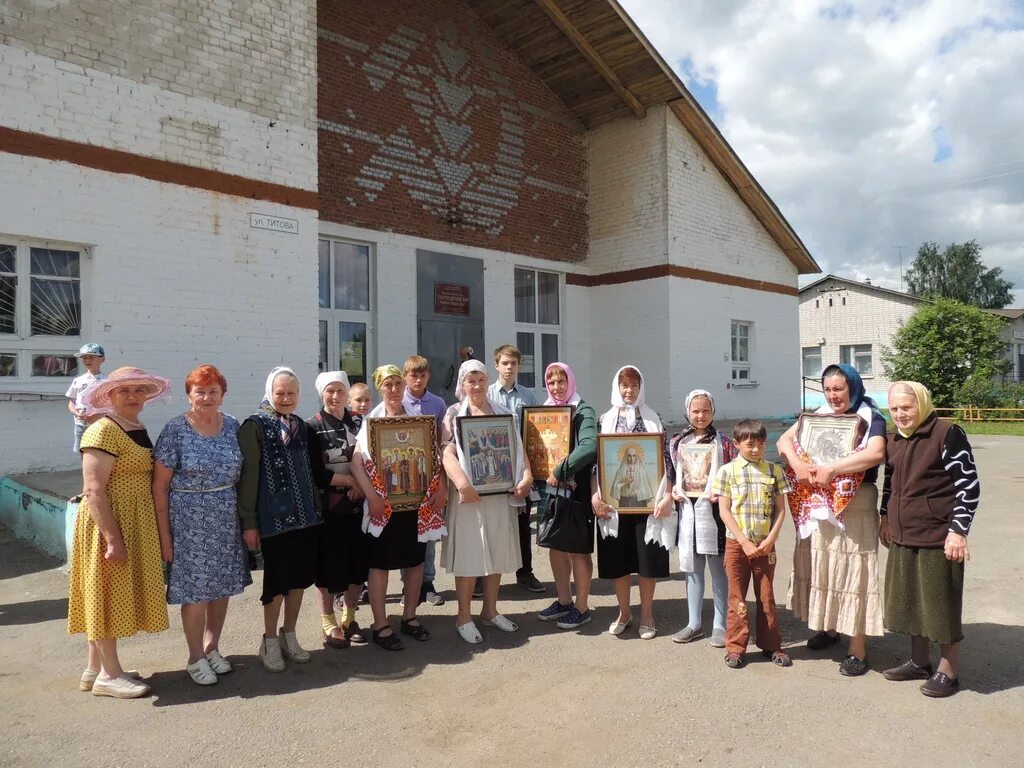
872,124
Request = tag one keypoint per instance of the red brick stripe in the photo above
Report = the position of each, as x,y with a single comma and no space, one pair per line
673,270
116,161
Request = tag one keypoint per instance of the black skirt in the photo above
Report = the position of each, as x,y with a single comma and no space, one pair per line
628,553
396,547
342,552
289,561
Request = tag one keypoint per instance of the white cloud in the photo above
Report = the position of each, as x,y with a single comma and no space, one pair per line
871,123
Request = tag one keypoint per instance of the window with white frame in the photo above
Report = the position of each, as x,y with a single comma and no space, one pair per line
858,356
538,300
740,346
40,310
811,357
346,304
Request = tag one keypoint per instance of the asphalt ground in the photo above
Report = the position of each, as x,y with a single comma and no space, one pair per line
541,696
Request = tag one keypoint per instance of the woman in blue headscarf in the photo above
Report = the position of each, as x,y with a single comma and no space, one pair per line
834,586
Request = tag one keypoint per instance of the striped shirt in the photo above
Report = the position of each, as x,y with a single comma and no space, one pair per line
753,487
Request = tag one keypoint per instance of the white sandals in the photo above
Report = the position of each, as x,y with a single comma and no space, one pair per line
469,633
202,673
501,622
218,663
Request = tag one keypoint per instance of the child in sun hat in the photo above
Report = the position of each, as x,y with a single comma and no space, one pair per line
92,357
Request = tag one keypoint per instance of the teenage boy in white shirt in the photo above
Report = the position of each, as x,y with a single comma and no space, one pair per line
507,391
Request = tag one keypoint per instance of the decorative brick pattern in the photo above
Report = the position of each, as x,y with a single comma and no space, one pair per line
429,125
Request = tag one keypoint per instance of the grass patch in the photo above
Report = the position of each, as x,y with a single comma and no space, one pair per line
974,427
993,427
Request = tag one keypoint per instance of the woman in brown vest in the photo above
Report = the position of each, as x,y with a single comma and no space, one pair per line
930,496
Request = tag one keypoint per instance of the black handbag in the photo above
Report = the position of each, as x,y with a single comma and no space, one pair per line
562,525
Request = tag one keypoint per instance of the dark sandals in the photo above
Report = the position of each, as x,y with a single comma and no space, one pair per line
389,642
354,633
735,660
416,631
853,666
337,642
779,658
822,640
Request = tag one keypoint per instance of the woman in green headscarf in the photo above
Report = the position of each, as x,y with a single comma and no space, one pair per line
929,499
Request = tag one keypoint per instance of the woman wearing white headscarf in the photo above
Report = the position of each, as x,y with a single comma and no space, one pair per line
279,506
342,562
628,544
701,531
483,532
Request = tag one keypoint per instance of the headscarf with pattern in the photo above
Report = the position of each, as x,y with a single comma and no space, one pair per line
468,367
385,372
710,432
291,423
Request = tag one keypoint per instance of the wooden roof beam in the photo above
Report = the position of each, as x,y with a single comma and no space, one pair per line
550,7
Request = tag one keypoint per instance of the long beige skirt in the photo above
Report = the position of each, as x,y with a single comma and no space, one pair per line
834,584
483,538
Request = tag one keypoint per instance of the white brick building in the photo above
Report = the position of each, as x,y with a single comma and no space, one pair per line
135,142
146,148
846,321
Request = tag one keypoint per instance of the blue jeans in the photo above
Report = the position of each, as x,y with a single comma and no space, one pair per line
79,431
695,590
429,568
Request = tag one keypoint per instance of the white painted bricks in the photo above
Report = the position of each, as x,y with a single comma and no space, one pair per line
257,56
710,228
43,95
179,278
655,199
859,314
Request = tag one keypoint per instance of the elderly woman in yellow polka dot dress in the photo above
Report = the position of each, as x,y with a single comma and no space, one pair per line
116,586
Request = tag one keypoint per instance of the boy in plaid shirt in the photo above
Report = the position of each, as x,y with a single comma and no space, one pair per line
751,494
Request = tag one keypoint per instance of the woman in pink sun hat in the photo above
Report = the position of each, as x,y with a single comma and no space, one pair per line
116,587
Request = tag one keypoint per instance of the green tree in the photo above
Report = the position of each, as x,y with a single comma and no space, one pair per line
942,345
957,273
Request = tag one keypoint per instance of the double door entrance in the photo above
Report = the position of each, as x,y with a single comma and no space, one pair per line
449,312
449,316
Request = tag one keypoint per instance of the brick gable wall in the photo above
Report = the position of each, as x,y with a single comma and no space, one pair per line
429,125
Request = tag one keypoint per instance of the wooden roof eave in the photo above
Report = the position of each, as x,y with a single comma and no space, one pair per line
583,45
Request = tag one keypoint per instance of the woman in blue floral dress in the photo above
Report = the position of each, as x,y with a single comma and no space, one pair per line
198,462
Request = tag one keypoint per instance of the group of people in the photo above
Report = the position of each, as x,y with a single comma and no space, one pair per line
310,496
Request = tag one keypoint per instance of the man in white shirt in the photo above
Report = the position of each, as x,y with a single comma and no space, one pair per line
506,390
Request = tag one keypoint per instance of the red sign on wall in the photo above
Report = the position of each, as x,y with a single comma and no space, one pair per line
451,299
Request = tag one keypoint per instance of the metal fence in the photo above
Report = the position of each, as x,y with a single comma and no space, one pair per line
970,413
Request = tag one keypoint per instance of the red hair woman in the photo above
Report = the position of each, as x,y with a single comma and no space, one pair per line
198,463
